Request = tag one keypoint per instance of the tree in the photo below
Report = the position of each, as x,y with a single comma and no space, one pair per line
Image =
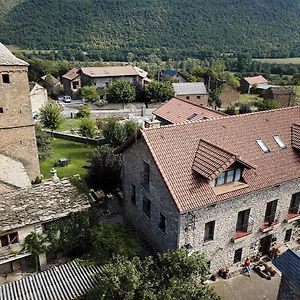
110,240
36,244
89,93
105,171
122,91
243,63
158,92
87,127
266,105
84,111
51,115
44,142
115,132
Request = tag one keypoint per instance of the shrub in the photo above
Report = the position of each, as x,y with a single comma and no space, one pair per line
245,109
230,110
87,127
84,111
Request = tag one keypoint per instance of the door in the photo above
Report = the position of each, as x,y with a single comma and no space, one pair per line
265,244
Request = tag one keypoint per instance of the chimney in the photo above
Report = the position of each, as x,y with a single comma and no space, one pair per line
152,124
54,176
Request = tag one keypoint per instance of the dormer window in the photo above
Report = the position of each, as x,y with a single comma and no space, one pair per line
279,142
227,177
263,146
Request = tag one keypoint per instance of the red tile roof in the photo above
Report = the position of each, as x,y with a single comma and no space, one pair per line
256,80
174,148
296,136
178,111
72,74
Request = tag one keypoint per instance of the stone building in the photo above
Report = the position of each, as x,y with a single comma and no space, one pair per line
194,92
177,110
283,96
172,75
17,132
28,210
247,83
228,187
72,83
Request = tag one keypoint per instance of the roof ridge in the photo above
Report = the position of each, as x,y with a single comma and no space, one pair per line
224,117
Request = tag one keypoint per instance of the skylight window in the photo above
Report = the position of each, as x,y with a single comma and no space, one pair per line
263,146
279,141
192,116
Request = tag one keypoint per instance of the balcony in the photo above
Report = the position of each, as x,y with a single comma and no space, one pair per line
293,215
241,232
270,222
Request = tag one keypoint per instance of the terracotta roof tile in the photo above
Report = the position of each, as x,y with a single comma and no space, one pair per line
174,148
72,74
296,136
178,110
256,80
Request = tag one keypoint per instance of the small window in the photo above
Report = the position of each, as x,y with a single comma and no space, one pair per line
237,255
133,194
4,240
5,78
221,179
147,207
146,175
187,97
279,141
230,176
263,146
238,173
198,97
13,238
209,231
295,203
8,239
288,235
192,116
162,222
1,110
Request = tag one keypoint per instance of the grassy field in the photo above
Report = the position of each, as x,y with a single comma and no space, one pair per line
78,153
249,99
284,61
69,124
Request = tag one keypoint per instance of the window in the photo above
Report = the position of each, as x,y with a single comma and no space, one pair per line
243,220
209,231
146,175
75,85
227,177
8,239
294,205
162,222
279,141
288,235
263,146
133,194
146,207
1,110
5,78
198,97
192,116
271,211
237,255
187,97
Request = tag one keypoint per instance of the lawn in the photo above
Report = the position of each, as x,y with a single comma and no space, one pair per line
249,99
78,153
69,124
284,61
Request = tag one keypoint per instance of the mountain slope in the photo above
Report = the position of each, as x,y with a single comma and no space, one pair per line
158,26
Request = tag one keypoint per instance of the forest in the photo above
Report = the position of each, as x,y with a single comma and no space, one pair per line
177,29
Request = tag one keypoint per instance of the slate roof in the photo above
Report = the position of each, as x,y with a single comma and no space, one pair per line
173,148
177,111
72,74
8,59
40,203
113,71
265,86
289,265
256,80
168,73
64,282
189,88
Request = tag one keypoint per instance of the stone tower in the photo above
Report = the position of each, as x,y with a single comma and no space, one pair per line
17,131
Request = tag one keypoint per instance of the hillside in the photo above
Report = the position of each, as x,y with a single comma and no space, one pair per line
167,28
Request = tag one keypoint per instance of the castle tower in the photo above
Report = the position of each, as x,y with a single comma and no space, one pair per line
17,131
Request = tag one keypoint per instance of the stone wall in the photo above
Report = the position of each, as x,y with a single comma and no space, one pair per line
161,201
17,132
221,250
195,99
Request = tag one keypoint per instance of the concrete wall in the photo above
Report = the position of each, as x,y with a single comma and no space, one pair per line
221,250
161,201
17,133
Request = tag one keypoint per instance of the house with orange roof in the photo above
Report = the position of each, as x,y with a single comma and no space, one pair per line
72,83
247,83
228,187
177,110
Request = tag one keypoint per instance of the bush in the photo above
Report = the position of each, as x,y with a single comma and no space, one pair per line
87,127
245,109
84,111
89,93
230,110
266,105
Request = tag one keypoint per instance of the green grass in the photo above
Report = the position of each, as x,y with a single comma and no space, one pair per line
69,124
77,152
284,61
298,90
249,98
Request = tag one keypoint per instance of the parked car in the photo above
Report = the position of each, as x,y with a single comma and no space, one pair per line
67,99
